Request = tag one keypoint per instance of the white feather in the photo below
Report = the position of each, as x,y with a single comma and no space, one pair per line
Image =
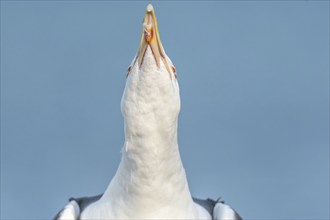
223,211
70,212
150,181
203,213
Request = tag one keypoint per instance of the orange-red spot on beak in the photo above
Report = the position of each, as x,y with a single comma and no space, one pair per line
148,35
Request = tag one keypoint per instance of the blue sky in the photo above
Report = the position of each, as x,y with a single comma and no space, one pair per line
254,121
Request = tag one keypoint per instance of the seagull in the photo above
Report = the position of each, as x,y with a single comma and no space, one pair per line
150,182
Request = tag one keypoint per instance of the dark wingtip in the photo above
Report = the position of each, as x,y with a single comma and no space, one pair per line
58,215
237,216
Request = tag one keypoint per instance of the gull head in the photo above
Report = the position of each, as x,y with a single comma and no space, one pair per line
152,90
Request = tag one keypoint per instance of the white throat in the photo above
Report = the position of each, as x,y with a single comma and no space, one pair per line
150,181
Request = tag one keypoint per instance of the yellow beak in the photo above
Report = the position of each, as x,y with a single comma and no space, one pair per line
150,36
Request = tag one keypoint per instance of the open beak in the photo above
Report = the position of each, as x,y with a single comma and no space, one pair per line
150,37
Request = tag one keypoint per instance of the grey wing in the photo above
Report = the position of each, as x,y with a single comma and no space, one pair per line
207,204
75,207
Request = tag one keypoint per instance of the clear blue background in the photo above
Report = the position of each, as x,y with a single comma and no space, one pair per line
254,79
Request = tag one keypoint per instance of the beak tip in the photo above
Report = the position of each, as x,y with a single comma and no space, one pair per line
150,8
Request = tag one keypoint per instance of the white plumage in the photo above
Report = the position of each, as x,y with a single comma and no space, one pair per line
70,211
150,182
